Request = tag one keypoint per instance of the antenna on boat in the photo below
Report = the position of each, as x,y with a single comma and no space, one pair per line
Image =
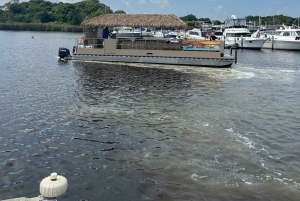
296,25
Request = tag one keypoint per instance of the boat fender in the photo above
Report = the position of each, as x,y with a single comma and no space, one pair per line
53,186
74,49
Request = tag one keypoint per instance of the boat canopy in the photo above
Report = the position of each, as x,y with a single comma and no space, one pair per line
235,22
136,20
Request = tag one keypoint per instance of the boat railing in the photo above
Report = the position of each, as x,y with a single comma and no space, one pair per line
149,44
93,43
141,44
131,43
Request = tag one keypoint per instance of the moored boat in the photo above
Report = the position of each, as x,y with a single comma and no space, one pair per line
236,31
156,51
127,32
195,34
288,39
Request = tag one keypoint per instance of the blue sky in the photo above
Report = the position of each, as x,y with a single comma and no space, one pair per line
213,9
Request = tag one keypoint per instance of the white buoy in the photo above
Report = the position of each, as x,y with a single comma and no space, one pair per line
53,186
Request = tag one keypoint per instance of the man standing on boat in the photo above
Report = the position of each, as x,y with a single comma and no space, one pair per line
105,33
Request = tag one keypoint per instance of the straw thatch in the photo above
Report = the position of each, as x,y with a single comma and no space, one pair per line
136,20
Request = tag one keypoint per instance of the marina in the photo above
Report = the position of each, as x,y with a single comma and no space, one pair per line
148,131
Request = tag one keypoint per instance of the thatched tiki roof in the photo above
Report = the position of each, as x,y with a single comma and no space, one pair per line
136,20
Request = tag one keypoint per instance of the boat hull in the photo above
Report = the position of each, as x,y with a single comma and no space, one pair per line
283,45
248,43
204,62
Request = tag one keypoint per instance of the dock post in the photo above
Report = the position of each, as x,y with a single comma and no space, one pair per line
231,51
242,42
272,42
235,56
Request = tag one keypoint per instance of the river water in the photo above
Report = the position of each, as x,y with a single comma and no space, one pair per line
121,131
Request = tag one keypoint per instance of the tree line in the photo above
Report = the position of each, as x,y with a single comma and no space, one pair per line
41,11
15,14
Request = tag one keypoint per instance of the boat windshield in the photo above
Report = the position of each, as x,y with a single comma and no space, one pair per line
171,36
272,32
194,33
298,33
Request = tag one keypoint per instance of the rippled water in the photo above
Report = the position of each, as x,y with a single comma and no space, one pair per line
147,132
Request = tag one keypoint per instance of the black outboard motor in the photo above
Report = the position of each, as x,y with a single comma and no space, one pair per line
63,52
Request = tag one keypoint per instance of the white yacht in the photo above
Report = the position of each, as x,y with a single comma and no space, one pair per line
287,39
237,32
127,32
194,34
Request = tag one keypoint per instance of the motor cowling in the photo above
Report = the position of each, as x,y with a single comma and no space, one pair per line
63,52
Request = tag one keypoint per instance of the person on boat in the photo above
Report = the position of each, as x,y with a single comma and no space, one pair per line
213,36
105,33
207,36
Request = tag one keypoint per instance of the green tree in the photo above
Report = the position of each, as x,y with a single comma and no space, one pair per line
189,17
44,17
119,12
73,17
217,22
16,8
204,20
95,14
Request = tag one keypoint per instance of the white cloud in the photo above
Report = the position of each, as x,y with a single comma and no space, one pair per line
218,8
125,2
160,3
142,2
